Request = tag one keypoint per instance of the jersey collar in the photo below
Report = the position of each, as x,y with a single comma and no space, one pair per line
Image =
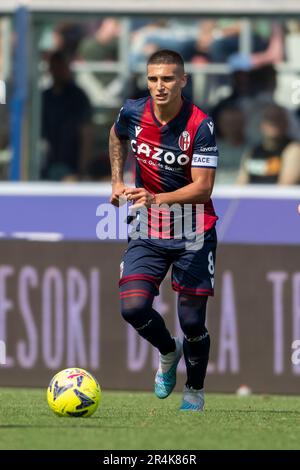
184,106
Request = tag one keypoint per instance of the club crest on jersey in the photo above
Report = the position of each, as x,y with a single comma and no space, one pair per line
184,141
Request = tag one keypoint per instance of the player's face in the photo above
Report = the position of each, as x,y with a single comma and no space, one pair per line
165,82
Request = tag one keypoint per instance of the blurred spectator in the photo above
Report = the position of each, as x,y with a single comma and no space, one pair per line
264,83
67,37
231,143
161,34
66,130
104,44
137,87
241,90
263,163
253,91
271,53
99,169
218,40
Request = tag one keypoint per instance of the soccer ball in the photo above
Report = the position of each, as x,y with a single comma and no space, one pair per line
73,392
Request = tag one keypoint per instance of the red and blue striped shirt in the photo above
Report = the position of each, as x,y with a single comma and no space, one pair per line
165,154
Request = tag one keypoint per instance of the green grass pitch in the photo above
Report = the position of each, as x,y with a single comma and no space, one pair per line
141,421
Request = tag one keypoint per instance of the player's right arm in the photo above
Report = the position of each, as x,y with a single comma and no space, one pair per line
118,150
117,155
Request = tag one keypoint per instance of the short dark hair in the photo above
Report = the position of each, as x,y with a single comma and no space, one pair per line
166,56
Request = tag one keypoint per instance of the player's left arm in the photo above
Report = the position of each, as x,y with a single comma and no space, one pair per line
197,192
203,167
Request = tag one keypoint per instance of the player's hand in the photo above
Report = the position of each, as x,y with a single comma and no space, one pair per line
117,193
140,197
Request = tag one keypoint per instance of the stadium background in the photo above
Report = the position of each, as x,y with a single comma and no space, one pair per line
58,282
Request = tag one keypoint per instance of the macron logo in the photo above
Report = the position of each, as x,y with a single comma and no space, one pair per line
138,130
211,127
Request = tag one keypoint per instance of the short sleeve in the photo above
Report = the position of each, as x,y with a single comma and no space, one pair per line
121,123
205,151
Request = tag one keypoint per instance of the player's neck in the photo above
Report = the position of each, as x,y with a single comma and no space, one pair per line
166,113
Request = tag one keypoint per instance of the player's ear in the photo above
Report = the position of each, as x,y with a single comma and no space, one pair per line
184,80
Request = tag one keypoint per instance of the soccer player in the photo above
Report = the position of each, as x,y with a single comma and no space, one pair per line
176,156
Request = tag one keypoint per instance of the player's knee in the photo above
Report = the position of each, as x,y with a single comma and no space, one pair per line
193,328
135,310
192,313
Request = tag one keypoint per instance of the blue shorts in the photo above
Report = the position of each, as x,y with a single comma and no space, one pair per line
192,270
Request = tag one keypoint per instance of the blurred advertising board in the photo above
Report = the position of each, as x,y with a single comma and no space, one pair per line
59,308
